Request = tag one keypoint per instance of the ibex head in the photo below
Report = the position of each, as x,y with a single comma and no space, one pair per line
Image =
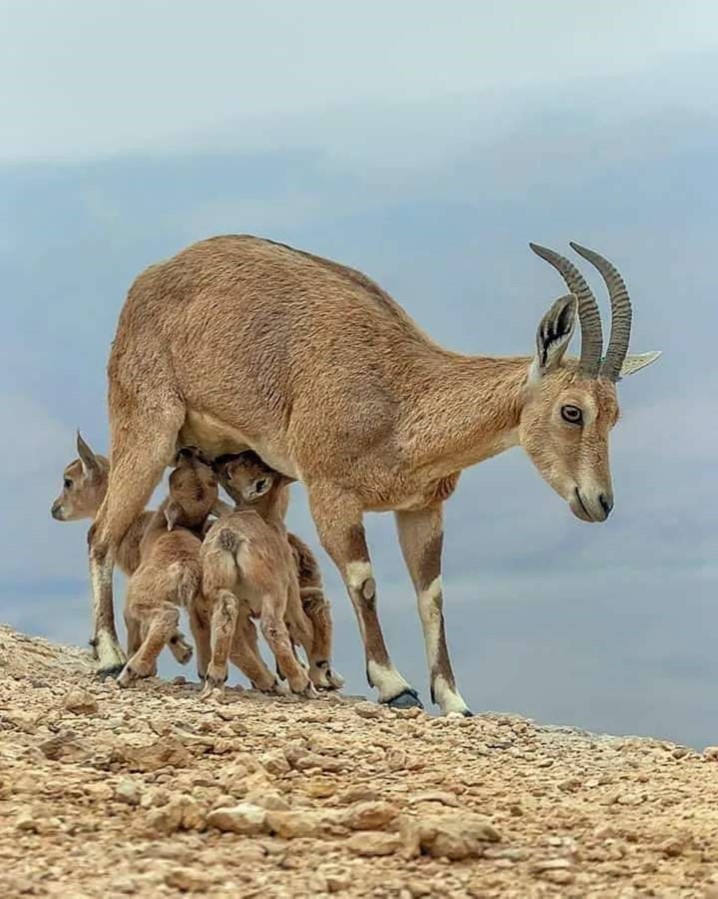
571,404
84,482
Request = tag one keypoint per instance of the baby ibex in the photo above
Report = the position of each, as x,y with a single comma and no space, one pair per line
84,484
315,607
169,575
249,571
242,343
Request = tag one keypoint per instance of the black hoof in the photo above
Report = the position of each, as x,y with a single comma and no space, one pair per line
408,699
112,671
467,713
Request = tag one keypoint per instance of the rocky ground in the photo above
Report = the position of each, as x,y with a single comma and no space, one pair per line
149,792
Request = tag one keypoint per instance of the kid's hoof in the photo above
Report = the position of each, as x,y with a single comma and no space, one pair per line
127,675
407,699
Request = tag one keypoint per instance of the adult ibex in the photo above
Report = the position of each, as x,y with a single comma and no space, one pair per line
238,342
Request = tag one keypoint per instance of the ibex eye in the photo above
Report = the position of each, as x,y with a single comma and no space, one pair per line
67,484
572,414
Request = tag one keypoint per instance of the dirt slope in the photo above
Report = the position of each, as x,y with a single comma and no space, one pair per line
149,792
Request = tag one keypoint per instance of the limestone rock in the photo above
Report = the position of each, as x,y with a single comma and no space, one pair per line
245,818
371,842
80,702
455,836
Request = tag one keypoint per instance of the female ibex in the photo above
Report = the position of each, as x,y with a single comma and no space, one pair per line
238,342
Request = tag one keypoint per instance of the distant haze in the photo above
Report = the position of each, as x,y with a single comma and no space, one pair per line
426,145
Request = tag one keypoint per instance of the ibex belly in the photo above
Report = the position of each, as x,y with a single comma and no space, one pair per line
214,437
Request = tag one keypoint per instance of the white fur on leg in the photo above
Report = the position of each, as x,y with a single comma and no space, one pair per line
448,699
357,573
109,652
387,680
430,615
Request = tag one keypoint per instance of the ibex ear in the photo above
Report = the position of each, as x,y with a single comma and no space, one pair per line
88,459
172,513
554,335
636,361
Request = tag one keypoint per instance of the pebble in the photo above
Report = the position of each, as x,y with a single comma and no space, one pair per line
80,702
245,818
129,792
372,843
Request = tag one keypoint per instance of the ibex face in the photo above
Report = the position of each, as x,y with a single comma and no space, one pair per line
245,477
83,487
570,405
564,428
193,490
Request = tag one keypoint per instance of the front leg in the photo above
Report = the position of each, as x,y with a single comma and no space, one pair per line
421,535
338,517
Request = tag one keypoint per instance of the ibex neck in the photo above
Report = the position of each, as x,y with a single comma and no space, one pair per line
467,409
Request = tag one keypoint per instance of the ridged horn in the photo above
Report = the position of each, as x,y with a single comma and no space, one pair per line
621,313
588,312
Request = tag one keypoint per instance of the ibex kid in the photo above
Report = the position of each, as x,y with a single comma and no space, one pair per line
314,602
249,570
83,490
169,574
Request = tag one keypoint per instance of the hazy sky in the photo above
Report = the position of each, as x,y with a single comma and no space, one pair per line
426,144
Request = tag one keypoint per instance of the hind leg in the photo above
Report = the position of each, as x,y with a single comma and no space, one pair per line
180,648
201,634
159,623
144,437
224,621
277,636
246,656
317,610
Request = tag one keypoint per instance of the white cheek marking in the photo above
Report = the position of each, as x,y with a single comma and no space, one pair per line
387,680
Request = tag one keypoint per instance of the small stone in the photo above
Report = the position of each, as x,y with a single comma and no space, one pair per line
267,800
560,877
245,818
180,813
680,752
179,681
80,702
371,843
275,762
369,815
128,791
162,754
336,880
396,759
188,880
369,710
27,822
303,823
711,753
455,835
551,864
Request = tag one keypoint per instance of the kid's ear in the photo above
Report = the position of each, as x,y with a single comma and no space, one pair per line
172,513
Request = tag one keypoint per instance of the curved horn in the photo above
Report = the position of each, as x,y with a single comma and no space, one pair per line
588,312
621,313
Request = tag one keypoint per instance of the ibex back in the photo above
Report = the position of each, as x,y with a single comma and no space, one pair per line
238,342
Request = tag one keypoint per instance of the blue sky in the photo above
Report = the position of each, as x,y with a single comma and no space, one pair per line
425,145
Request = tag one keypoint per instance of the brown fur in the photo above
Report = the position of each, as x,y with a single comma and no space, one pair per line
309,625
169,575
249,569
238,342
84,487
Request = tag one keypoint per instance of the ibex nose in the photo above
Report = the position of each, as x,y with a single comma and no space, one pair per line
55,509
606,502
